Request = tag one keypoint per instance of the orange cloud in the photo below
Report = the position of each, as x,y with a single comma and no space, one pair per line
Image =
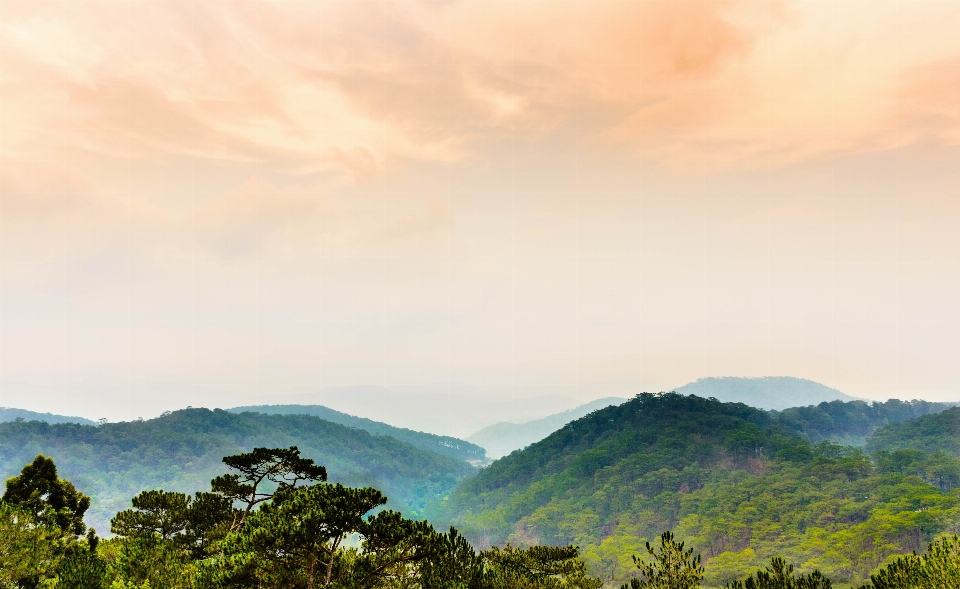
341,89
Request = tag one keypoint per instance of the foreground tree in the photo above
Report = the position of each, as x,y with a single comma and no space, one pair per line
297,539
29,550
537,567
83,569
779,575
191,523
147,560
41,519
672,567
938,568
283,467
50,499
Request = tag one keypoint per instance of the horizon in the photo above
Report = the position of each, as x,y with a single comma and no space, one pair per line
202,203
414,401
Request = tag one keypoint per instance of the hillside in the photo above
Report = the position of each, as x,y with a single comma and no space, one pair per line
732,480
503,438
12,414
852,422
930,433
448,445
768,392
181,451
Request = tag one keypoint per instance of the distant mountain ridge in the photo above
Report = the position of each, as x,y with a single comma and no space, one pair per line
767,392
448,445
448,409
13,414
500,439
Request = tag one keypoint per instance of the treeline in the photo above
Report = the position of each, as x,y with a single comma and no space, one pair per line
932,433
274,521
852,422
180,451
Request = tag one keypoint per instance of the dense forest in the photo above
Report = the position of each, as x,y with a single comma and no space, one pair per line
741,485
852,422
272,520
931,433
181,450
448,445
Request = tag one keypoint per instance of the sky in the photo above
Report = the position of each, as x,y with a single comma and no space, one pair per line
205,202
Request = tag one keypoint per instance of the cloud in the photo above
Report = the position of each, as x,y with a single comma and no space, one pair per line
343,89
928,109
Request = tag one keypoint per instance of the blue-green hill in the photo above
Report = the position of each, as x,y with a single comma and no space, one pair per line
182,451
13,414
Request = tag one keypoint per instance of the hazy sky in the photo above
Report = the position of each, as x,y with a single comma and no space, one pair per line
256,198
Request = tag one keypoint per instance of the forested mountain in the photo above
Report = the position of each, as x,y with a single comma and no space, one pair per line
930,433
851,422
736,482
182,451
503,438
448,445
768,392
12,414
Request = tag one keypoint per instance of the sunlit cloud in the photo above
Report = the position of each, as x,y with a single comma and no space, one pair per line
340,86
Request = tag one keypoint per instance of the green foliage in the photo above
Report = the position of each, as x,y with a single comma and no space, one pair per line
192,523
779,575
537,567
83,569
278,467
148,559
453,564
938,568
159,512
182,451
851,422
931,433
49,498
29,550
672,567
937,468
295,540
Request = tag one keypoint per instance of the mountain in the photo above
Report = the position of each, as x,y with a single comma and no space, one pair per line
11,414
503,438
449,409
929,433
448,445
735,482
182,451
768,392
